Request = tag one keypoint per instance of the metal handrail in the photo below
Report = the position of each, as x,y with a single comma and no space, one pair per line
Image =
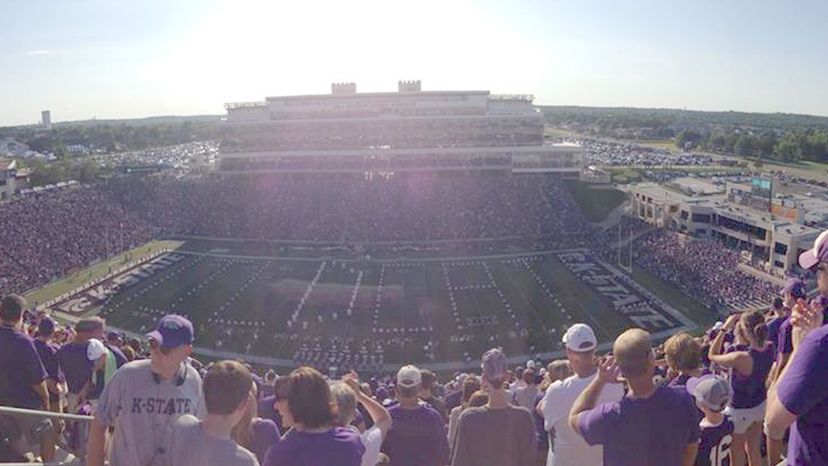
49,414
42,414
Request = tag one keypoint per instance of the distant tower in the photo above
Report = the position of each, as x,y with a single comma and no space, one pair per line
408,86
343,88
46,118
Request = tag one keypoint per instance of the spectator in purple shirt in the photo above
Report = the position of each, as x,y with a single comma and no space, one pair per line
80,359
794,290
23,381
799,398
253,432
314,439
418,435
780,314
652,425
48,355
114,341
750,366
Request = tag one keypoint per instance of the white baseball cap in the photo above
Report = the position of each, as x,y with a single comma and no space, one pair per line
409,376
819,253
580,338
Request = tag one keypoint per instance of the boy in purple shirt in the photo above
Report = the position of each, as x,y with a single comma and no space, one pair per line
712,395
652,425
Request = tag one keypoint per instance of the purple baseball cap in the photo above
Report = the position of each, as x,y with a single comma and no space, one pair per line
819,253
46,326
173,331
796,287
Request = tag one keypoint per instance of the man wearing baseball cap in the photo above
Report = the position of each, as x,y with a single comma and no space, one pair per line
145,398
498,433
418,434
566,447
799,398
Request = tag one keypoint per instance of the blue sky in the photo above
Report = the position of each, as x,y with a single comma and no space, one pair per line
122,59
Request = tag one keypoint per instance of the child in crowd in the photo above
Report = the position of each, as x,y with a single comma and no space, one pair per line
712,394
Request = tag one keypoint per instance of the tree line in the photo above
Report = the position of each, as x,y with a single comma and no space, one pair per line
111,137
792,146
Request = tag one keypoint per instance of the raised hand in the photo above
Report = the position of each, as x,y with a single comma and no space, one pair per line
352,380
804,319
608,371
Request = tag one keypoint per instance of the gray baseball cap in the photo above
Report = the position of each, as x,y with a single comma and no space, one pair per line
711,391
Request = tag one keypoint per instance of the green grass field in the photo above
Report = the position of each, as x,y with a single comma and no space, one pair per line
691,308
90,274
247,304
596,204
259,300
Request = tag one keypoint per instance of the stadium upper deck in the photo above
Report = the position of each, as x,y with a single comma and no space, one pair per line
408,130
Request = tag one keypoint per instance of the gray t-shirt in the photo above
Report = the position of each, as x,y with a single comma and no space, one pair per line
190,446
495,437
143,410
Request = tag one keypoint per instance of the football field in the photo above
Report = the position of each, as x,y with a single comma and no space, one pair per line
367,313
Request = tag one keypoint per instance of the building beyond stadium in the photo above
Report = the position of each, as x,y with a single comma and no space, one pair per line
771,231
408,130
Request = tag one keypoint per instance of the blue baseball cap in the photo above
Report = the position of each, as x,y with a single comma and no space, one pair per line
173,331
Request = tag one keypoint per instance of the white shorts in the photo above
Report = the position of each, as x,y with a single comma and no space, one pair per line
743,418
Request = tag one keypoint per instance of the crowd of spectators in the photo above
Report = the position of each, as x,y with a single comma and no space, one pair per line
705,270
45,235
416,207
48,234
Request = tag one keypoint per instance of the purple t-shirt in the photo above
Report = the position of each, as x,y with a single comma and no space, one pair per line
804,392
266,410
417,437
20,369
749,390
48,356
714,445
773,329
649,432
784,344
77,368
120,358
338,446
265,434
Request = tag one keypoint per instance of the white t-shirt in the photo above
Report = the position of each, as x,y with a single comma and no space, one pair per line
570,449
372,441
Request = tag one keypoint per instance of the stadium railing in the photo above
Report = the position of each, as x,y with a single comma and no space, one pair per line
7,410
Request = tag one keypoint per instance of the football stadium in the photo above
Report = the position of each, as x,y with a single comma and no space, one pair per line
596,233
358,234
363,230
